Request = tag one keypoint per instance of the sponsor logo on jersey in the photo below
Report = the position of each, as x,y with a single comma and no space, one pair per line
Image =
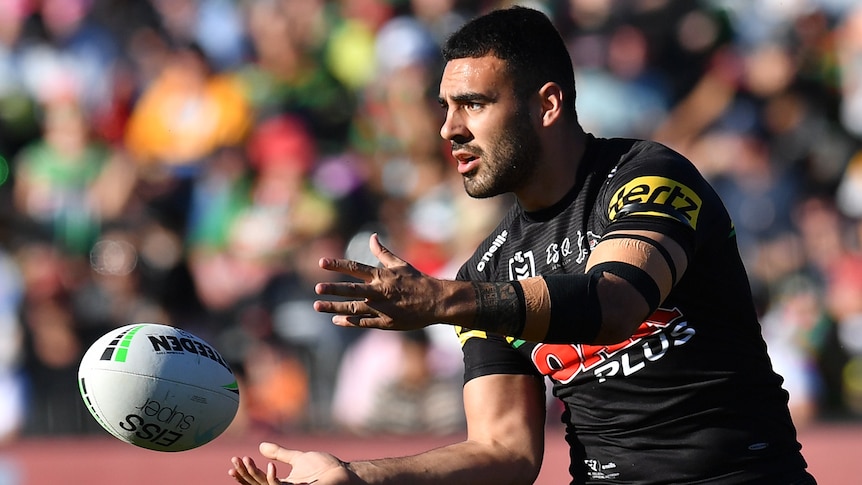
601,471
586,244
578,249
495,246
663,330
559,254
657,196
593,240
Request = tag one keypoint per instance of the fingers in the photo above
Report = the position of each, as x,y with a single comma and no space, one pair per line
356,291
360,270
271,479
352,307
353,314
383,254
276,452
344,318
246,472
352,290
347,267
366,303
361,321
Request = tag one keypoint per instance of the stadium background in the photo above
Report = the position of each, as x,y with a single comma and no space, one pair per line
188,161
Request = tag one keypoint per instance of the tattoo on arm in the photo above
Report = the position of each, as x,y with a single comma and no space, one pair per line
500,308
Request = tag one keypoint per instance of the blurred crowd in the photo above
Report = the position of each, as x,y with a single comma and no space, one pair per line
188,162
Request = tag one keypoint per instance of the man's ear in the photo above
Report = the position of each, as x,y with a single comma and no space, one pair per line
551,96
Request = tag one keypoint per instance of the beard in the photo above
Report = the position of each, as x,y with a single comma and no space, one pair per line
509,163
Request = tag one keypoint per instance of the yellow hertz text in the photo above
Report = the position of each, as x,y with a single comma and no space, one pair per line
657,191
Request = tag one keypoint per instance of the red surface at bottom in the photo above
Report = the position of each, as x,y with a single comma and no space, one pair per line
834,453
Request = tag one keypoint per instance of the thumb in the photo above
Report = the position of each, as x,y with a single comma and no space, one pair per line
276,452
383,254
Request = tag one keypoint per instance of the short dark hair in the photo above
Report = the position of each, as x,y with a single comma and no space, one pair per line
527,41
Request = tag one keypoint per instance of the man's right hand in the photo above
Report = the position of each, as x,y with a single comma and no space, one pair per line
306,468
392,296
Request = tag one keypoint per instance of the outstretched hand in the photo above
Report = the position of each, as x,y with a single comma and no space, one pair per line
395,296
306,468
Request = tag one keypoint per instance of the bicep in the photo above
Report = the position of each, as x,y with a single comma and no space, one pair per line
661,258
657,254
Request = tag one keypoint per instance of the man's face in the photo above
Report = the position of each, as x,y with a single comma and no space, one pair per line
493,140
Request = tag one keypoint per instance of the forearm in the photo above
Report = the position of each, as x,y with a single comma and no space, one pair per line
468,463
504,445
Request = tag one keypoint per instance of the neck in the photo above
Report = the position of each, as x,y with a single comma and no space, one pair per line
557,171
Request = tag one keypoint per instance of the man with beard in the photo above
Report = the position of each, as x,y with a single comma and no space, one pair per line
616,274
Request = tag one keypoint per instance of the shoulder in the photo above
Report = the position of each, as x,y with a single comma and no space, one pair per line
630,153
651,168
650,176
620,159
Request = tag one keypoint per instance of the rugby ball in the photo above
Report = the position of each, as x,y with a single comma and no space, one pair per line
158,387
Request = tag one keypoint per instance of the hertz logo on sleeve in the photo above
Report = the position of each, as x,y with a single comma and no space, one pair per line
657,196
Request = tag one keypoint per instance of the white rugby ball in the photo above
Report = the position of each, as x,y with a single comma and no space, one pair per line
158,387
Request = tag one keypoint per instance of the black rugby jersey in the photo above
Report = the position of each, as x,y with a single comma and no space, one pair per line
691,397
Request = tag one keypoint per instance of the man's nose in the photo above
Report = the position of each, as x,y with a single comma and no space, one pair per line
453,128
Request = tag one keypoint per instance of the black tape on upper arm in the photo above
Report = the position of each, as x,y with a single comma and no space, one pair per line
683,234
637,277
652,242
576,313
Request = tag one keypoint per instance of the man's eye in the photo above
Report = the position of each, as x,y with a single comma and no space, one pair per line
473,106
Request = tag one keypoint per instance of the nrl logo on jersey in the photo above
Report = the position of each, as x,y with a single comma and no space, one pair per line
522,266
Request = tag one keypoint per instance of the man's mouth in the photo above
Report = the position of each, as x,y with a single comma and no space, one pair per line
467,162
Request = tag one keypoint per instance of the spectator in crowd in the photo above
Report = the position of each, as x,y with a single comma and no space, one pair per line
387,380
67,183
18,121
418,401
792,329
287,75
